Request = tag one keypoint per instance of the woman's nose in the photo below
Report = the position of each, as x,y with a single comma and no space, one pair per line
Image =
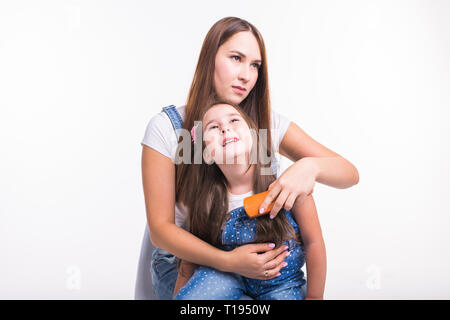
225,129
244,73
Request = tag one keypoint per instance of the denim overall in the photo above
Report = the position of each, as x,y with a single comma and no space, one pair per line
210,284
164,264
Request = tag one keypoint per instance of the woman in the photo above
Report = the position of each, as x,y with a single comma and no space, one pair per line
232,67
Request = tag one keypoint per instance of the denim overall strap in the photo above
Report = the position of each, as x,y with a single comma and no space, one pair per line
174,117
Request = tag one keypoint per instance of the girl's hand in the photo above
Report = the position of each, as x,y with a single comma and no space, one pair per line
293,185
187,268
248,261
185,272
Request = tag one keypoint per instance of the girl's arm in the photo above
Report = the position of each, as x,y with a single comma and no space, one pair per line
185,272
158,176
316,261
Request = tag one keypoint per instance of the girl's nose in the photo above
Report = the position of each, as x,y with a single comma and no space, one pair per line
223,130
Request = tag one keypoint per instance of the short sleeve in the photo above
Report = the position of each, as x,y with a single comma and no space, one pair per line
159,135
280,124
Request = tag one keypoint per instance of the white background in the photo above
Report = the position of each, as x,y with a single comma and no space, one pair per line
79,80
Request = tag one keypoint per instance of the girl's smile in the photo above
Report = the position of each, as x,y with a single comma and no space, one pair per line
227,141
226,134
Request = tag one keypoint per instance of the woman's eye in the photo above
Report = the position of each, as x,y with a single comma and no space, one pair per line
212,127
234,120
256,65
239,58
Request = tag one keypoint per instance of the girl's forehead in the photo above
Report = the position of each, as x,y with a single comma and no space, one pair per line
219,111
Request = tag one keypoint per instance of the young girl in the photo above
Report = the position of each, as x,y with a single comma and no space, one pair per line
216,215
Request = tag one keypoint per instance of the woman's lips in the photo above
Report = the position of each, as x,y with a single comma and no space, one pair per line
238,90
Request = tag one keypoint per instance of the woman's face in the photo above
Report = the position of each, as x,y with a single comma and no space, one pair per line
226,134
236,66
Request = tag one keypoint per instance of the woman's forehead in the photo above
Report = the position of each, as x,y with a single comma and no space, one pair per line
243,43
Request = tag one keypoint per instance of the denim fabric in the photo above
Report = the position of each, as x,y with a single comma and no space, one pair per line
175,118
164,273
208,283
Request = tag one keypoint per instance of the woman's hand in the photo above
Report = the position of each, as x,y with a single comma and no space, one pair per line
257,261
293,185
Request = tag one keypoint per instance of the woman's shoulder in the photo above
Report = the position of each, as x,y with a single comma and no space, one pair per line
279,125
161,118
161,122
160,134
278,119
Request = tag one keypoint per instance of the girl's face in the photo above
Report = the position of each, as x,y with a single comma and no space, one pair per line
236,67
227,136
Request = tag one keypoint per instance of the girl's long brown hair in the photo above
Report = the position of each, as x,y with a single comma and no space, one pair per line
208,201
201,187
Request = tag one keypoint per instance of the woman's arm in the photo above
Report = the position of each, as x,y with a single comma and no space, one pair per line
312,162
158,176
316,261
332,169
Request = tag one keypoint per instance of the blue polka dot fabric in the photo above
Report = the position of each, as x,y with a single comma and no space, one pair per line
211,284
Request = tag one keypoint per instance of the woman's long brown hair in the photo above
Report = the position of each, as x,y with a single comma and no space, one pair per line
202,188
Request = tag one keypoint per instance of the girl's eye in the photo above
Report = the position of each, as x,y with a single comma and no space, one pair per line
256,65
215,126
239,58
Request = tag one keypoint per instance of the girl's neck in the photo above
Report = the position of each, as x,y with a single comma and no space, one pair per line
239,176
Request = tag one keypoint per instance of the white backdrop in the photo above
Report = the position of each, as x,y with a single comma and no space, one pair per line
79,80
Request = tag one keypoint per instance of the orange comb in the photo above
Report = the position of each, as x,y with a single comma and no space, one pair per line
252,203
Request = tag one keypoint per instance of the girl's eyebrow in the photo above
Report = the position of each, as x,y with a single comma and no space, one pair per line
243,55
228,115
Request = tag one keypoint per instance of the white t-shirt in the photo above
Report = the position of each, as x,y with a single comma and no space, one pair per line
161,136
237,200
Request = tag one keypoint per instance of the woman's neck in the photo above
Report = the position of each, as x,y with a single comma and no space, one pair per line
239,177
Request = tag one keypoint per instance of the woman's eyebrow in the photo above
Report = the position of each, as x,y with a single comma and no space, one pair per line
243,55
